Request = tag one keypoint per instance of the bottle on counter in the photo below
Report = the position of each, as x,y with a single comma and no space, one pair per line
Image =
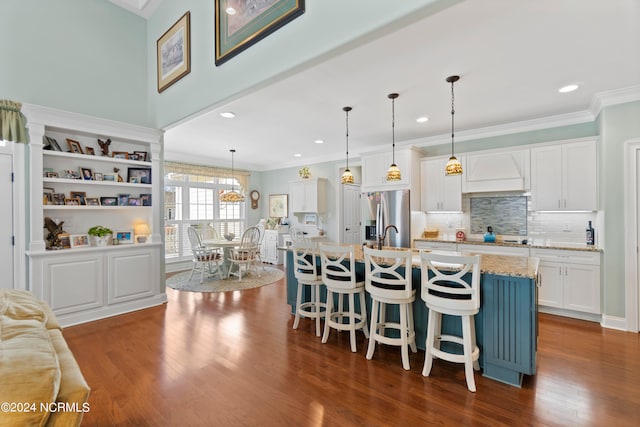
591,235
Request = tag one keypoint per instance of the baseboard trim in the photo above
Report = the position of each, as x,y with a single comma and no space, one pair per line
612,322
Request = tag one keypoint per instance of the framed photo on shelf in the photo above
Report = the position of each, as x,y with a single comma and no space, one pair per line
124,236
79,240
134,201
74,146
133,156
310,219
71,174
248,25
134,180
108,201
123,200
65,240
72,201
50,174
89,150
79,195
52,143
278,205
143,174
109,177
92,201
145,199
120,155
47,194
142,155
173,50
58,198
87,174
97,176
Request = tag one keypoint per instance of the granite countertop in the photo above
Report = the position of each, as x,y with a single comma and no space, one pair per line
501,265
549,245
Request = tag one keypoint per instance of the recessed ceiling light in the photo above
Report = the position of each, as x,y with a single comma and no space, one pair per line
230,11
318,141
297,155
568,88
422,119
228,114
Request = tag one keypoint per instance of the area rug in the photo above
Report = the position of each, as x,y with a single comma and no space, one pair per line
180,281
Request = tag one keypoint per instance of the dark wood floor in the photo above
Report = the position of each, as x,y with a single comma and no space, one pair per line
229,359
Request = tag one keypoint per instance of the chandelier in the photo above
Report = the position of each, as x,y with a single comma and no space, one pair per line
393,173
454,167
347,176
232,196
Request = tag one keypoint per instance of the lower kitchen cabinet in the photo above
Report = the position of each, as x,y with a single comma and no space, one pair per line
569,280
435,246
270,244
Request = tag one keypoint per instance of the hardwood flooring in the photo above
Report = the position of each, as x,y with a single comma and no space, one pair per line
232,359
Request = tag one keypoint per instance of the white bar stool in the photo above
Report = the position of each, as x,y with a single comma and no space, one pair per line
339,276
387,285
447,292
306,272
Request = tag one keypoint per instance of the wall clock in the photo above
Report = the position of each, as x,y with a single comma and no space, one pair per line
255,196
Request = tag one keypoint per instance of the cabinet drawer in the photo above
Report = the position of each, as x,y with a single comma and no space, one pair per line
442,246
494,250
559,255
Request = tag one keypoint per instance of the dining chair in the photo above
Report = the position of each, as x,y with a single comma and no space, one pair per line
451,286
244,256
388,282
338,270
204,258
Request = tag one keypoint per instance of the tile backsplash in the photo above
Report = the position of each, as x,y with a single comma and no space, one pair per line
542,227
506,215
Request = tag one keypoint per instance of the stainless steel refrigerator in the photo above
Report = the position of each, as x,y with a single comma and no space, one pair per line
382,209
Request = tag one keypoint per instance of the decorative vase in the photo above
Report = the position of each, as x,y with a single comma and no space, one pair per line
101,241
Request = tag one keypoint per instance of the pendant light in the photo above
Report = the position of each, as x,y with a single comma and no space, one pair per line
347,176
393,174
232,196
454,167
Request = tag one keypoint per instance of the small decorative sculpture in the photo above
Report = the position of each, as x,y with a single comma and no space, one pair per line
119,178
104,146
53,239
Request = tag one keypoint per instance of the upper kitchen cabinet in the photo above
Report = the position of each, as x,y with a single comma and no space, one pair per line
374,173
504,170
564,177
439,192
309,195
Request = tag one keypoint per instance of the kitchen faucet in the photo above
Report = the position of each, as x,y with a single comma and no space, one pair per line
384,235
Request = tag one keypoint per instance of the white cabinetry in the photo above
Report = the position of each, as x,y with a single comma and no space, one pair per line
88,283
435,246
494,250
374,173
271,242
439,192
564,177
569,280
503,170
309,195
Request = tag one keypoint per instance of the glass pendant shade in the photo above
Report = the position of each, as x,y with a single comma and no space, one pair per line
232,196
347,177
393,173
453,167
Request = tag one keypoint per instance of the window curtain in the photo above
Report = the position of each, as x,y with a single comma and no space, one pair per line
13,124
189,169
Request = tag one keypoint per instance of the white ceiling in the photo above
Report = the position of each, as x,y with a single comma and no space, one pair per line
512,57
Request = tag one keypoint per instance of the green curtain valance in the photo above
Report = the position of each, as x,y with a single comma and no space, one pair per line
13,124
191,169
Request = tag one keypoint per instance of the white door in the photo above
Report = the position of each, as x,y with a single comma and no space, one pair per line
351,214
6,222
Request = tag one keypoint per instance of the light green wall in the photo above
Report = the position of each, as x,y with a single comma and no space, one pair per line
617,124
84,56
325,26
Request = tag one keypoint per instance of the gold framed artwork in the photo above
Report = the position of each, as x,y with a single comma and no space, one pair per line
174,53
240,24
278,205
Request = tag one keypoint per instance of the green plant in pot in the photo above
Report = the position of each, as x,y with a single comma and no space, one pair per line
100,235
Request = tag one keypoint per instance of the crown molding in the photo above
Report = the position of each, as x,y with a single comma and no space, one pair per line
613,97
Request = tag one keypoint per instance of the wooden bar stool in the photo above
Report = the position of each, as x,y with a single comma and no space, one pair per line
306,272
339,276
388,281
448,291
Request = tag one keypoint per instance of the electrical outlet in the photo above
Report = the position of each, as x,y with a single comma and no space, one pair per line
566,227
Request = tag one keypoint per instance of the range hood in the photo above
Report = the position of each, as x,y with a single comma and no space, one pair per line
497,171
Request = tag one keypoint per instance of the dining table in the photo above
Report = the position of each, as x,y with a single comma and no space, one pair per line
227,246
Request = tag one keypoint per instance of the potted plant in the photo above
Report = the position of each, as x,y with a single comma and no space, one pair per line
100,235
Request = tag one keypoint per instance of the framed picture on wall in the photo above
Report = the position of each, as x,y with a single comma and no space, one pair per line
278,205
174,53
242,24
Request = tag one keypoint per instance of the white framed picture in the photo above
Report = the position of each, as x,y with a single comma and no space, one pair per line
124,236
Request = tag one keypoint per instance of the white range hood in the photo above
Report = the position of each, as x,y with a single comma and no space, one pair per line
496,171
